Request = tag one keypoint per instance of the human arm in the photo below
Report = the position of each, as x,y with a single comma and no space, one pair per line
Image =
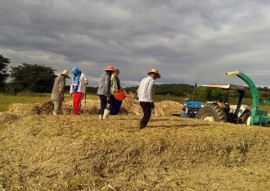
71,91
61,87
114,87
85,80
149,89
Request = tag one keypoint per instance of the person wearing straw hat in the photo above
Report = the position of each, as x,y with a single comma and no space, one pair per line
58,92
104,93
145,94
78,89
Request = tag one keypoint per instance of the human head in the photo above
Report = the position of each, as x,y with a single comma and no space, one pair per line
116,72
75,71
154,73
109,70
65,74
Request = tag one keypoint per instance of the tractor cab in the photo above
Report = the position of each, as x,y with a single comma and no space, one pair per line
223,111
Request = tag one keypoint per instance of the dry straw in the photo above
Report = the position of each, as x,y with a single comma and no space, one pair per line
66,152
46,152
129,106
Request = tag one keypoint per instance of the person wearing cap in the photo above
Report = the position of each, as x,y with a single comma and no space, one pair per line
104,92
78,89
58,92
145,94
115,87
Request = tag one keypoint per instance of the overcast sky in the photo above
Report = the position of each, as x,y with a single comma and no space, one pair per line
188,41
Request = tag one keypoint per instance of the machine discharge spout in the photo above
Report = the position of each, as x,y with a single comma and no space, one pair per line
235,73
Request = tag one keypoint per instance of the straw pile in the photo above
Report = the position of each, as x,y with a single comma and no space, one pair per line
21,109
90,107
8,118
45,152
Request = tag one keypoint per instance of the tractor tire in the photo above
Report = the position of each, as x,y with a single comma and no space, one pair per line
212,113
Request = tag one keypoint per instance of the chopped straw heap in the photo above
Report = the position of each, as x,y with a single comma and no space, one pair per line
164,108
66,152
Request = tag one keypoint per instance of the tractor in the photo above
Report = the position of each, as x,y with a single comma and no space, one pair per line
222,111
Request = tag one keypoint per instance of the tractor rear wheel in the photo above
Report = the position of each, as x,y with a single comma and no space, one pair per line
211,113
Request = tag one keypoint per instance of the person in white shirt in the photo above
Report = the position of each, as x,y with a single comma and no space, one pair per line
77,89
145,94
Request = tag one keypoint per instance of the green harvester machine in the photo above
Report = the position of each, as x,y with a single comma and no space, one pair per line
257,117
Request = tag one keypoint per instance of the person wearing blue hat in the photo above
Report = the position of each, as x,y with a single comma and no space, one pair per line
78,89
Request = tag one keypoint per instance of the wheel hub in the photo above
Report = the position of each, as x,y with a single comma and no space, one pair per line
209,118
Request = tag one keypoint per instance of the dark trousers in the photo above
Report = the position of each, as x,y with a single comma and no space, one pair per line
116,106
112,103
103,104
146,107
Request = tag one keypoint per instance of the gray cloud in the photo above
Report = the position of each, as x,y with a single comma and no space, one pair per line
189,42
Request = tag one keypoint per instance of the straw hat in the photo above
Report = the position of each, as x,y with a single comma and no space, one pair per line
65,73
155,71
109,68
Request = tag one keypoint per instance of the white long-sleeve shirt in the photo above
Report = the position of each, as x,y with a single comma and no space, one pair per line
146,89
82,84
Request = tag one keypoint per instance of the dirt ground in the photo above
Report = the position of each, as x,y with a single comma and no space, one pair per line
45,152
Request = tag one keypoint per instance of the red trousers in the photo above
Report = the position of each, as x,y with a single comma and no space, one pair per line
77,99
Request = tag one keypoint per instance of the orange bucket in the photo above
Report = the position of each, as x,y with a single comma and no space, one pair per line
120,95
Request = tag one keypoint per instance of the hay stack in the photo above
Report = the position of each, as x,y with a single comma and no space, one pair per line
163,108
45,107
21,109
47,152
90,107
7,117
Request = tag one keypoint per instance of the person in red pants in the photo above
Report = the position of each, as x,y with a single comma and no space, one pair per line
77,89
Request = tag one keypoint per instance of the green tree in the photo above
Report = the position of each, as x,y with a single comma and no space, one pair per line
3,70
209,94
32,78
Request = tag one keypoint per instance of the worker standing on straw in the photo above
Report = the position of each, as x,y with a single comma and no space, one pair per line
145,94
77,89
58,92
104,93
115,87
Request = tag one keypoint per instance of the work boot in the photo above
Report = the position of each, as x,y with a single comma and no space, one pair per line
106,114
142,125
